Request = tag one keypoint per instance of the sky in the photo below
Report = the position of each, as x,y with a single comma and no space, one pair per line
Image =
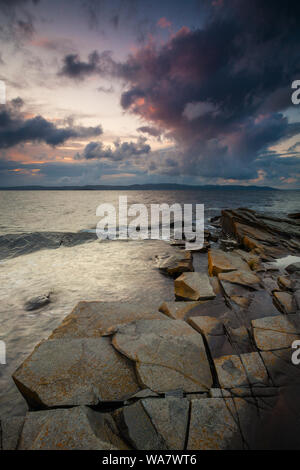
139,91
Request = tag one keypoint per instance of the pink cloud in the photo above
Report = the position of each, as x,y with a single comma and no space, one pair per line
164,23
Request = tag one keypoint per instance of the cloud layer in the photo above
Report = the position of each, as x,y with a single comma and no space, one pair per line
15,128
219,92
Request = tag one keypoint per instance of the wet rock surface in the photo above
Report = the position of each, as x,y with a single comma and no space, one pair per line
211,369
37,302
193,286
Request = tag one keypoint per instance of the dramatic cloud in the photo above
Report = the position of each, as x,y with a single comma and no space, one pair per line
97,63
153,131
121,151
220,91
16,129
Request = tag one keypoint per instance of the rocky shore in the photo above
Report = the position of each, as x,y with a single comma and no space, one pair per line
212,369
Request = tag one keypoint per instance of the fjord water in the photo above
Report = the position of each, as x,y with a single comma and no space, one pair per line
107,270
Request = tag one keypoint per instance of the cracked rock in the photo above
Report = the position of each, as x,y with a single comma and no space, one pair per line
231,372
70,429
168,354
65,372
213,425
95,319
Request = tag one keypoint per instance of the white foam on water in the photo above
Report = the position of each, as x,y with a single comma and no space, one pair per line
282,263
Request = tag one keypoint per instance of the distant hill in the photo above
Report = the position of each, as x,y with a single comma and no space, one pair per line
139,187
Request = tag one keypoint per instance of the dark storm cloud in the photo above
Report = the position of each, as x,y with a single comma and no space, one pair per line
120,151
234,75
153,131
74,67
219,91
16,129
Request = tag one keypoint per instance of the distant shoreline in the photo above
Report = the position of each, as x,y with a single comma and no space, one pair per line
143,187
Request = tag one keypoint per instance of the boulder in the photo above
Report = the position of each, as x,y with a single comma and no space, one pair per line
77,428
176,264
155,424
193,286
251,259
285,302
37,302
284,283
293,268
269,284
95,319
177,310
220,262
68,372
214,425
169,355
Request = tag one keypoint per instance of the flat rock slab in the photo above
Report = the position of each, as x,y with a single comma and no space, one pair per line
284,282
232,291
256,372
193,286
214,425
169,355
155,424
243,278
211,308
77,428
280,323
220,262
260,305
241,371
271,333
207,325
214,333
65,372
219,345
95,319
231,372
285,302
177,310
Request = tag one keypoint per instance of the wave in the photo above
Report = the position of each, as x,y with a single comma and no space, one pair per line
17,244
